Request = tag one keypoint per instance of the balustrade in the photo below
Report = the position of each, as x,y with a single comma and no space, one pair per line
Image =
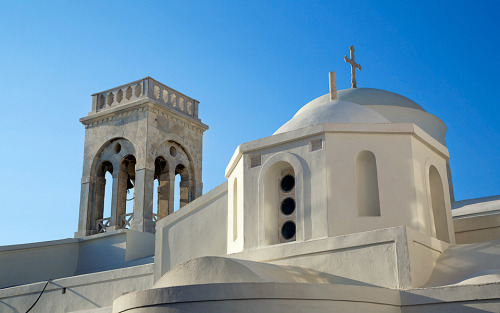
102,224
125,220
146,88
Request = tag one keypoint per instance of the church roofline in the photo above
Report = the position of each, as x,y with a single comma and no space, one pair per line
145,88
298,134
139,80
141,104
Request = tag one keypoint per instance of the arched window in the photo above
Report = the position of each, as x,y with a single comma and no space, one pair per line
103,196
112,176
177,192
125,193
156,189
174,177
108,195
182,180
438,204
286,206
367,184
235,209
280,204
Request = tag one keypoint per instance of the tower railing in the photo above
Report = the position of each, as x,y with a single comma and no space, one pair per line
125,220
102,224
146,88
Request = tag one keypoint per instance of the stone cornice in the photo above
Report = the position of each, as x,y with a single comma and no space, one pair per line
144,105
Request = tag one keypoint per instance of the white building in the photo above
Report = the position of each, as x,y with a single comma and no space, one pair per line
348,206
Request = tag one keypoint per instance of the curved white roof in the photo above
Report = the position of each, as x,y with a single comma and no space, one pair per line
366,105
319,112
372,96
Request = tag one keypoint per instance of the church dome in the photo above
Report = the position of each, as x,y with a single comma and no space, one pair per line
365,105
322,110
372,96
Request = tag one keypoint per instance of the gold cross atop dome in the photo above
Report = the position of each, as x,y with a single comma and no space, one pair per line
354,65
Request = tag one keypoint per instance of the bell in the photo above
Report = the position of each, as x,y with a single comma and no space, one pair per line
130,183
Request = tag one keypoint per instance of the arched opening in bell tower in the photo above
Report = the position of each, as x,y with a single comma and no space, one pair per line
103,196
108,195
182,187
126,192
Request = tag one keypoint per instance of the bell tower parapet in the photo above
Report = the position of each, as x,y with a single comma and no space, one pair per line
145,89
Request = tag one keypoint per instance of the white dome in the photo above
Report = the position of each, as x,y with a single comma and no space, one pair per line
372,96
319,112
366,105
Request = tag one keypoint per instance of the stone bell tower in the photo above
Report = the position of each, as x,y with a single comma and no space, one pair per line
139,132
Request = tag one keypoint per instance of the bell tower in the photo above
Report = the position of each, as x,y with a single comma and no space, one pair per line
139,132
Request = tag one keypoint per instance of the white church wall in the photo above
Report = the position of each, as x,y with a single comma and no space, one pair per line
396,257
269,297
391,145
28,263
477,228
200,228
288,150
269,224
477,220
392,153
400,152
115,249
315,216
235,214
298,297
423,252
83,292
428,153
378,258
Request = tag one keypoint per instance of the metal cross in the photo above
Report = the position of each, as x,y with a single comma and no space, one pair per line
353,66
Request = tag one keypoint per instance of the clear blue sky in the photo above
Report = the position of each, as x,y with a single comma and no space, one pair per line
251,64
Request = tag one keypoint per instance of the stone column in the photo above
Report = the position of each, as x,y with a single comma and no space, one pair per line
98,202
143,208
121,201
185,192
84,219
171,192
164,186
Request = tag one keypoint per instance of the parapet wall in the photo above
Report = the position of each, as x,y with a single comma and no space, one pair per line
198,229
146,88
41,261
83,292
